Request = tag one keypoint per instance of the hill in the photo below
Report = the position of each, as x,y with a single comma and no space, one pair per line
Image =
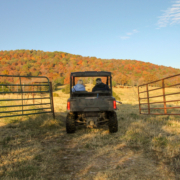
58,65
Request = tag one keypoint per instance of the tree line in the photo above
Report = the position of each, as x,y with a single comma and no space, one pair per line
57,66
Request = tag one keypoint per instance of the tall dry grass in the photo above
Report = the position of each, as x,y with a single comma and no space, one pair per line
145,147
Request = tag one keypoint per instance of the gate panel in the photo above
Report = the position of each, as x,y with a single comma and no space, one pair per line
161,97
22,95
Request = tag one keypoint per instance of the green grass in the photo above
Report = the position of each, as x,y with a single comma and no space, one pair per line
38,147
116,96
66,89
24,172
55,95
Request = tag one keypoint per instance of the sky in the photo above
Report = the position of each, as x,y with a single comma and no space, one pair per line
143,30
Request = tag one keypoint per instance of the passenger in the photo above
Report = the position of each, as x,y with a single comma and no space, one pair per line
100,86
79,86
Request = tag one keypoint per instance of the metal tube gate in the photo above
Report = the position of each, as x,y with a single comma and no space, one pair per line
22,97
161,97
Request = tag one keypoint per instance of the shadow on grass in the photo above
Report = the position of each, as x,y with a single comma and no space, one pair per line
39,148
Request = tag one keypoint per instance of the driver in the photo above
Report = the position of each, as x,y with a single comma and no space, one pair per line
100,86
79,86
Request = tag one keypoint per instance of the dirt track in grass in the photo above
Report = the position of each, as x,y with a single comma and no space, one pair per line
145,147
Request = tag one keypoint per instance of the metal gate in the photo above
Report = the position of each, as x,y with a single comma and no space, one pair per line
25,96
161,97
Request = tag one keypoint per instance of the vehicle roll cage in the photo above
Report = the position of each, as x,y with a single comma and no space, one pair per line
91,74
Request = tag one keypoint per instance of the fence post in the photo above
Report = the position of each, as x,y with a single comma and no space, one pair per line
164,98
51,97
17,90
3,91
9,91
139,101
148,98
33,93
21,93
41,94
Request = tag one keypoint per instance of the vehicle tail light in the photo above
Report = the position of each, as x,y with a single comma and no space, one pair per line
68,105
114,105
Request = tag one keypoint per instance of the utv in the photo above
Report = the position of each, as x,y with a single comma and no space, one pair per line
91,109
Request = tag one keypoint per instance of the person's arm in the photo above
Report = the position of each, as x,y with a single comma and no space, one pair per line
94,88
84,88
73,89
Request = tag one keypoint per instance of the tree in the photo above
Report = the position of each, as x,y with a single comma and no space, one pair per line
114,83
5,72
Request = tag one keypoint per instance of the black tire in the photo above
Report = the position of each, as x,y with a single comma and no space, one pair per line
70,123
113,123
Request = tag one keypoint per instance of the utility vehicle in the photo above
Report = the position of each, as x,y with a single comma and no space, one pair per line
88,108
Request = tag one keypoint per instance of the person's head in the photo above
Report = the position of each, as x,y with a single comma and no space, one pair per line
98,81
80,81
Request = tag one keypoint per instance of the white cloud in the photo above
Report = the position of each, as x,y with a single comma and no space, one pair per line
170,16
128,34
135,31
124,37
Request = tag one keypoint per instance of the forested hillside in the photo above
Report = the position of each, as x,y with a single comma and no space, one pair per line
57,66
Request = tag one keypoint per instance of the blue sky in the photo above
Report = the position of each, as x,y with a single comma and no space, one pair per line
121,29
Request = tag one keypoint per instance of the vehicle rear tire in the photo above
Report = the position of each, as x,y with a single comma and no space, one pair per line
70,123
113,123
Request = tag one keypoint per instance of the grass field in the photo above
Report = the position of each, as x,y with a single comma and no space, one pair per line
37,147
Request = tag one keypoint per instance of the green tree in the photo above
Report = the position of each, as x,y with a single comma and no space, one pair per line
114,83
